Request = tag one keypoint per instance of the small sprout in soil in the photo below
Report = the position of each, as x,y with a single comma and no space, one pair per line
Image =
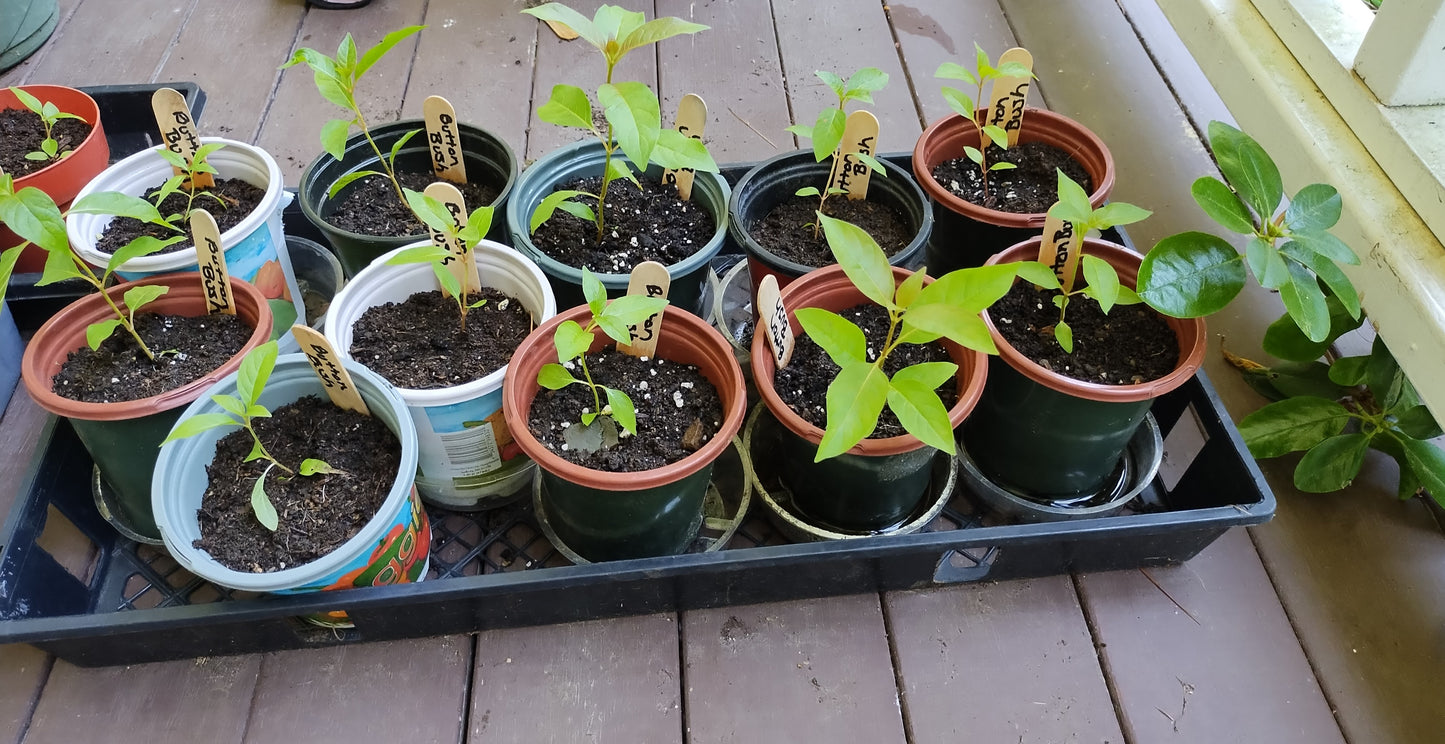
918,314
1101,280
967,107
336,79
49,114
572,340
827,132
631,109
186,180
436,216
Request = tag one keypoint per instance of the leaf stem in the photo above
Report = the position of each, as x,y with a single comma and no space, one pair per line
366,132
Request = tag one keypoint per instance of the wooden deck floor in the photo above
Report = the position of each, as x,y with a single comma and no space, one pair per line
1323,626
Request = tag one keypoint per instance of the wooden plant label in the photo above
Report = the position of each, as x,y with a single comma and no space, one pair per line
461,262
445,140
691,121
1006,105
323,359
860,134
774,318
212,262
178,129
1060,250
649,279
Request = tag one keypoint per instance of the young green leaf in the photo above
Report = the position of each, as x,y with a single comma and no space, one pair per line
350,178
312,466
1327,246
955,323
33,215
549,205
870,161
863,83
973,289
568,107
138,297
996,135
807,191
828,132
928,374
961,103
400,143
450,285
1339,284
118,204
1039,275
1291,425
1266,263
594,291
1418,423
677,150
1103,281
1065,336
955,71
921,413
1315,208
1073,205
571,341
428,253
572,19
1349,371
833,82
255,370
627,311
658,29
842,340
632,110
1305,302
1331,464
855,399
333,137
555,377
910,289
198,423
97,333
1247,167
27,100
261,504
1115,214
862,260
374,54
622,410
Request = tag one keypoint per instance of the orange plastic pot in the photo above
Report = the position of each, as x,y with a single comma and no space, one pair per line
124,438
64,178
879,482
1046,436
967,234
610,516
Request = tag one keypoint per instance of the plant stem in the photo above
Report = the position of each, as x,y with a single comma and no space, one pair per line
607,145
366,132
264,453
99,284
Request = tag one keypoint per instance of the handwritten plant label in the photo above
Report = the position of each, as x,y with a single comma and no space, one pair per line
1060,250
461,262
860,135
212,262
444,138
1006,105
691,121
649,279
324,360
178,129
774,318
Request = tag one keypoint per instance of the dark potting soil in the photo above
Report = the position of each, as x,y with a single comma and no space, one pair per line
650,224
317,513
419,343
1031,188
235,200
371,206
1130,345
803,384
788,229
678,411
22,131
186,348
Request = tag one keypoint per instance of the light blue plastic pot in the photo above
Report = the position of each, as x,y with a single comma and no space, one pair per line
586,159
11,347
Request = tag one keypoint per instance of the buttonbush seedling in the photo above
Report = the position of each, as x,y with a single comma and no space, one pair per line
437,217
631,109
572,341
967,107
827,132
336,79
918,314
49,114
243,411
185,181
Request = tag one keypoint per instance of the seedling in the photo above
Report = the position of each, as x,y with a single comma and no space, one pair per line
243,411
336,80
967,107
572,341
1194,273
33,216
827,132
185,181
1102,281
49,114
918,314
436,216
631,109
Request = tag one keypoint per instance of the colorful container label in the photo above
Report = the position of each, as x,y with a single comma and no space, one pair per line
399,556
465,450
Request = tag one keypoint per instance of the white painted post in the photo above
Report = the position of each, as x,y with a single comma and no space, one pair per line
1402,59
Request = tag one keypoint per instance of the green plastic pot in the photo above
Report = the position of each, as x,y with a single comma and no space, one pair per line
586,159
1050,437
24,26
488,159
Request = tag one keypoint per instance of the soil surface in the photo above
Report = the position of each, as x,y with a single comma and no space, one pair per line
650,224
1031,188
317,513
678,411
1130,345
803,384
419,344
788,229
371,206
235,200
22,131
186,348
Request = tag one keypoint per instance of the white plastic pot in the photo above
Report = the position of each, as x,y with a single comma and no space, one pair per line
255,248
467,459
392,548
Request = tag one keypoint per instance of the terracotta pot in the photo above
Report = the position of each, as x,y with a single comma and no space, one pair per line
63,179
604,515
1051,437
844,493
124,438
966,234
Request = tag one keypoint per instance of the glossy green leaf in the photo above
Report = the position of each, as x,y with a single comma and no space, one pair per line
1292,425
1247,167
1222,205
1305,302
33,215
861,259
854,401
622,411
231,404
374,54
1284,339
1115,214
1350,371
1340,286
1408,484
952,322
60,265
555,377
843,341
1103,281
198,423
1429,465
1190,275
828,132
1266,263
632,110
1418,423
1327,246
677,150
921,414
594,292
973,289
1294,379
1383,375
96,333
1331,464
571,341
568,107
1315,208
548,207
261,504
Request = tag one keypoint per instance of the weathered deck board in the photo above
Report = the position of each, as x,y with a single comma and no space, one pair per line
96,47
23,670
607,681
408,691
999,662
19,426
809,670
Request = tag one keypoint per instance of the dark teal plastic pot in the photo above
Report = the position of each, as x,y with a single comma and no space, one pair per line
11,347
602,525
584,160
489,160
774,181
24,26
